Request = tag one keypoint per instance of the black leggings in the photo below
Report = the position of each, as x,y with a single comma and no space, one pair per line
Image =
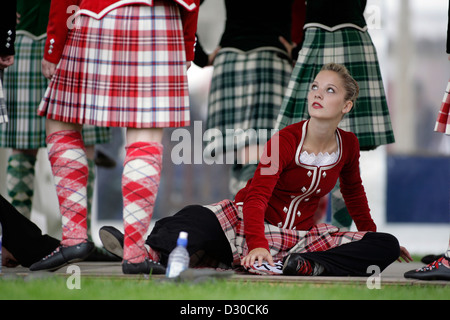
207,239
354,258
22,237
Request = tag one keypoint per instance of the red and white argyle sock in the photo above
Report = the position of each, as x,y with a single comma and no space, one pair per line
68,159
140,182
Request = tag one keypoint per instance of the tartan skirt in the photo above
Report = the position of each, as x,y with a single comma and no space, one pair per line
127,69
24,88
247,89
282,242
370,119
443,119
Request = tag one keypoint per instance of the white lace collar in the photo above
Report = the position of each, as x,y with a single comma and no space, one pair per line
322,159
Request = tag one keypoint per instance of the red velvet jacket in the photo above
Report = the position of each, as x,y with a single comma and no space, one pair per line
286,193
62,13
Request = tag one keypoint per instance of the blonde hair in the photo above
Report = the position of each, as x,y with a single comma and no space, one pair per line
350,84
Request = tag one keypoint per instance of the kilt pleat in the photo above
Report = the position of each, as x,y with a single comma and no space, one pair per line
282,241
24,87
443,119
3,110
247,89
370,119
126,70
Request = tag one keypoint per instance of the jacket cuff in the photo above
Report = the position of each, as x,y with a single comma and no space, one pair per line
7,38
52,52
190,51
254,242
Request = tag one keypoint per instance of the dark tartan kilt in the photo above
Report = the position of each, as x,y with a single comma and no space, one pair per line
247,89
3,111
24,87
370,118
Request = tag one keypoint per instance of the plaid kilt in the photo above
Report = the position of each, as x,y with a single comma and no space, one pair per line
24,88
247,89
3,111
126,70
369,119
443,119
282,242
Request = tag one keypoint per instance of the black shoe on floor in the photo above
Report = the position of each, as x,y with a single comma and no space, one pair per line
146,267
103,160
64,255
101,254
295,265
430,258
112,240
434,271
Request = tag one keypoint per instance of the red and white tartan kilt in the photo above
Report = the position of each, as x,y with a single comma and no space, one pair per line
127,69
443,119
282,242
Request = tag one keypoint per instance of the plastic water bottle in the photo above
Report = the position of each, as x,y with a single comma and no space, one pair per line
179,257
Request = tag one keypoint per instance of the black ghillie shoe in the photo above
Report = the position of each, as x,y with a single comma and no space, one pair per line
295,265
146,267
430,258
64,255
103,160
434,271
101,254
112,240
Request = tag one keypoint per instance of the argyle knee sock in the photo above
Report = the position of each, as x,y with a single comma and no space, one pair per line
90,194
68,160
20,180
153,254
140,182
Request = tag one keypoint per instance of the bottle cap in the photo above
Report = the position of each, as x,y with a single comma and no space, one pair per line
183,235
182,239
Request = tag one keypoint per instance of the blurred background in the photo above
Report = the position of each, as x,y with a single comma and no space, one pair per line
407,183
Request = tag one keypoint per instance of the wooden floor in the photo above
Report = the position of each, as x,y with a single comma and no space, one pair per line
393,275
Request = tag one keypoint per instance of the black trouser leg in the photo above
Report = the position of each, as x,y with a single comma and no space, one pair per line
353,259
22,237
204,234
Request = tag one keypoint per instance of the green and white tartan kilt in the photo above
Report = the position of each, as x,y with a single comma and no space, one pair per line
24,87
3,110
247,89
320,237
369,119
